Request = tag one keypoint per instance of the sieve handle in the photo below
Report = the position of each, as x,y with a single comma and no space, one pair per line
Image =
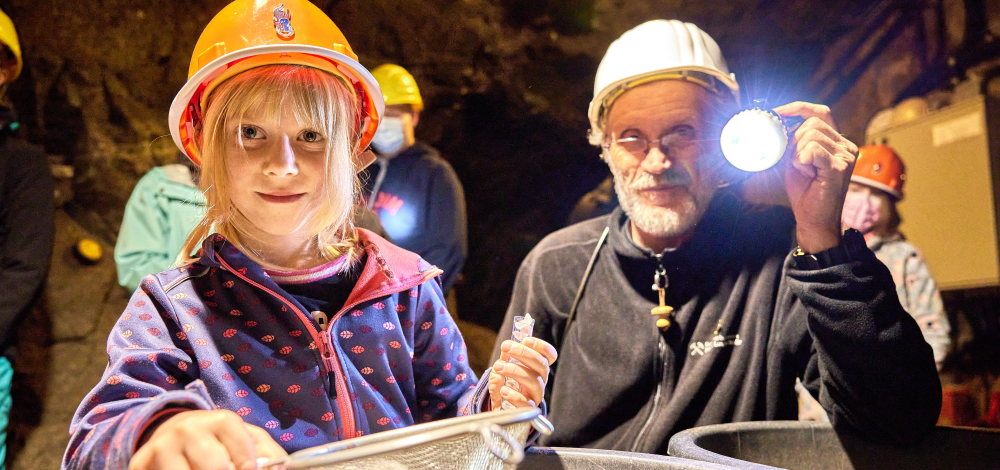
542,425
516,452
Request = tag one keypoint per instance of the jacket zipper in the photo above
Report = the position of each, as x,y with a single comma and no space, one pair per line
325,346
658,370
325,343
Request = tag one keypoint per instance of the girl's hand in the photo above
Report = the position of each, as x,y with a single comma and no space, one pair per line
206,440
531,374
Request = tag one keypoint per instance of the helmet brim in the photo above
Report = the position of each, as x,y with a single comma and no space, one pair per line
600,105
877,185
181,129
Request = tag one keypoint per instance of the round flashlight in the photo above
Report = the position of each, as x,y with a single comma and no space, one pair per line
754,139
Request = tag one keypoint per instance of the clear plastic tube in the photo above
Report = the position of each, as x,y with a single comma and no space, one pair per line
523,327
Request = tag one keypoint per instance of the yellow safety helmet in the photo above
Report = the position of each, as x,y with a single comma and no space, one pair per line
398,86
8,36
255,33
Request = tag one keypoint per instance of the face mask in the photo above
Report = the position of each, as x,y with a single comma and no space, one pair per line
389,138
862,211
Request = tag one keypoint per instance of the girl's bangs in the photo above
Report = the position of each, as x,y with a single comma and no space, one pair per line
262,92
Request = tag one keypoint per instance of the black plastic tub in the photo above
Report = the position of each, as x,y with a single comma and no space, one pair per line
796,445
556,458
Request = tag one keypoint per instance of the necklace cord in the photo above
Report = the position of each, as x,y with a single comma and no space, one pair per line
583,285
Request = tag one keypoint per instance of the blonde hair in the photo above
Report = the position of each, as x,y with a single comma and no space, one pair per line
321,101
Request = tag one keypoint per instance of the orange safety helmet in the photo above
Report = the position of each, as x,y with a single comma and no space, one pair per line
254,33
879,167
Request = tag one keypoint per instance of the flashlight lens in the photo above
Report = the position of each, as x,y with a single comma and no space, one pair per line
754,140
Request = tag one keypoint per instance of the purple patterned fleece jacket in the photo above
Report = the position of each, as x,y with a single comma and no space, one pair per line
220,334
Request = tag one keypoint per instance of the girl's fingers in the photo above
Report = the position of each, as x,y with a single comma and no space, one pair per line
530,360
494,384
264,444
233,433
161,461
517,398
149,459
542,347
209,454
529,381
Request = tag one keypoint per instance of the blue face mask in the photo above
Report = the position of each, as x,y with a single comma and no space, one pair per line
389,138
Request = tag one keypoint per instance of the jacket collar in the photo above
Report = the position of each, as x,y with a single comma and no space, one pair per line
715,229
388,269
703,257
875,242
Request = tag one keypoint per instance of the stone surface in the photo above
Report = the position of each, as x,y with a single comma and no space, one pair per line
75,292
61,350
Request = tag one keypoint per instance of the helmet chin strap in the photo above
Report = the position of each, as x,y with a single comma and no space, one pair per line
362,159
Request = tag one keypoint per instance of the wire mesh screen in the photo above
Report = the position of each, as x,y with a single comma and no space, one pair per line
492,441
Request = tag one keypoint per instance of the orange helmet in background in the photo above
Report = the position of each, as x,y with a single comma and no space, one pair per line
879,167
255,33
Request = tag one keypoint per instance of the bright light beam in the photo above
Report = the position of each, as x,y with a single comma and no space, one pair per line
754,140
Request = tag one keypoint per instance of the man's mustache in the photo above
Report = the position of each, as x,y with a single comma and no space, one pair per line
670,177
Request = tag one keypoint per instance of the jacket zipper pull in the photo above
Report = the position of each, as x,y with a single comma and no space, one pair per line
321,319
663,312
328,353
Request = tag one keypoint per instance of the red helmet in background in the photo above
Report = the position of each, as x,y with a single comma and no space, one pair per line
879,167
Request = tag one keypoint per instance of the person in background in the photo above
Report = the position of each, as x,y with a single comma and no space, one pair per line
601,200
689,305
870,207
164,207
289,328
414,191
26,222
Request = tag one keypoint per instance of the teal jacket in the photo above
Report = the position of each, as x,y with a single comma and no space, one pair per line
163,209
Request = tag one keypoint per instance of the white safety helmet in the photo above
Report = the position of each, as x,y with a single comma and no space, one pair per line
656,50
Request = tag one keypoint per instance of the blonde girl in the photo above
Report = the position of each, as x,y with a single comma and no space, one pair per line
289,328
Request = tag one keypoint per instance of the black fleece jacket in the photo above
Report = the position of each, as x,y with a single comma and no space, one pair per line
26,228
747,323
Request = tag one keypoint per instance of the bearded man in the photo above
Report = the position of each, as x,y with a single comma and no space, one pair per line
689,306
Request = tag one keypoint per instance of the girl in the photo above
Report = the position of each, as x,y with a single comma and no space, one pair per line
870,207
289,328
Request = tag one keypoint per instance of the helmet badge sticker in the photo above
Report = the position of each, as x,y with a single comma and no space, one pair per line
283,22
876,168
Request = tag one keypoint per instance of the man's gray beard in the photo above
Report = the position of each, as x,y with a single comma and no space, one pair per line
657,221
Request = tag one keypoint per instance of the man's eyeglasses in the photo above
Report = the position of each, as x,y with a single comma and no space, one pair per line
638,145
